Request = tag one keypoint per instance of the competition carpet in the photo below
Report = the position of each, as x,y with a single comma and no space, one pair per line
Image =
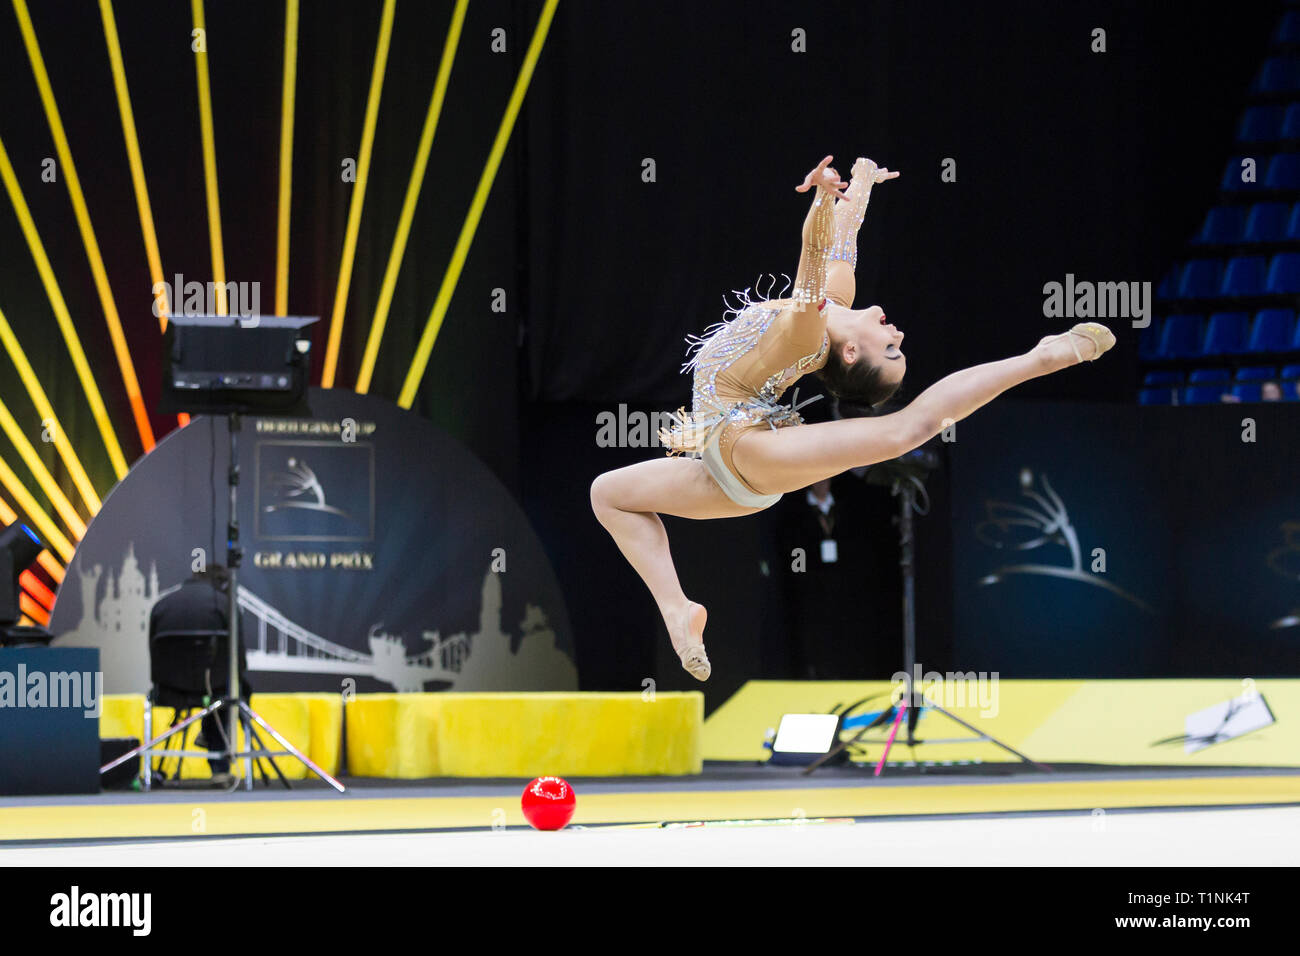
725,793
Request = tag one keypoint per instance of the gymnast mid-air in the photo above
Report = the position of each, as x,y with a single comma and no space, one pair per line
734,453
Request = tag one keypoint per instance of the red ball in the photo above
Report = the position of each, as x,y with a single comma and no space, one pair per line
548,803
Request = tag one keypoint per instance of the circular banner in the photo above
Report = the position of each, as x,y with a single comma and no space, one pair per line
377,550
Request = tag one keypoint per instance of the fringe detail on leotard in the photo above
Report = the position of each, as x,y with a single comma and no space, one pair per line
696,343
692,431
689,434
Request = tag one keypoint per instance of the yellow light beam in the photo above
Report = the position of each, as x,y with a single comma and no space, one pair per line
33,611
70,179
64,319
44,524
46,560
358,196
38,589
137,170
412,196
133,157
461,252
32,460
286,156
209,158
51,565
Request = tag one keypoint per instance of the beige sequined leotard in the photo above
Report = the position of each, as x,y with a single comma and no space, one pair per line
743,366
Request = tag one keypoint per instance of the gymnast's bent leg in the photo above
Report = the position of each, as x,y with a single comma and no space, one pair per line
628,503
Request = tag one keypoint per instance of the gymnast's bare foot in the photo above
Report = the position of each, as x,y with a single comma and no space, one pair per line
687,635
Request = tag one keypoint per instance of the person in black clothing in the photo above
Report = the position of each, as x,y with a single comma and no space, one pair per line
837,545
182,669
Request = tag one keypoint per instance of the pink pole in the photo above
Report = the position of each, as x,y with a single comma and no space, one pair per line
892,734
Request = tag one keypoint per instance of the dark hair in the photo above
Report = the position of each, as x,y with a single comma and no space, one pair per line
857,388
214,574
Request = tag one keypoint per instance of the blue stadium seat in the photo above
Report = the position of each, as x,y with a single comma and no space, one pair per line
1149,341
1181,336
1168,287
1288,29
1157,396
1260,124
1278,74
1202,395
1208,376
1291,122
1226,333
1245,275
1267,222
1223,226
1232,173
1256,373
1200,279
1291,372
1163,377
1293,224
1248,391
1272,332
1283,172
1284,273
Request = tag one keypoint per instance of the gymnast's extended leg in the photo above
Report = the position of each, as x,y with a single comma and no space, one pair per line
792,458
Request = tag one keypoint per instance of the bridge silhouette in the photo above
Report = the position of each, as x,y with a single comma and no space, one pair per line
279,644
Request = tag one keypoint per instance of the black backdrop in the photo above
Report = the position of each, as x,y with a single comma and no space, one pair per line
1100,164
1067,161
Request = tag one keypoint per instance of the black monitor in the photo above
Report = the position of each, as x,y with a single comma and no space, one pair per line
19,548
218,364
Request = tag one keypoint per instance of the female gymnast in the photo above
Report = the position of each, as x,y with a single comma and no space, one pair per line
737,453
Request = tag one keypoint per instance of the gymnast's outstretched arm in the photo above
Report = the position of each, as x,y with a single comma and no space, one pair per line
818,235
830,238
841,285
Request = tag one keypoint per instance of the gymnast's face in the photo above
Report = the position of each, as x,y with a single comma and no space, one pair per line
859,332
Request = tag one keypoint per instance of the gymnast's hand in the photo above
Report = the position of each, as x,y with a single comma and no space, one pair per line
866,169
826,177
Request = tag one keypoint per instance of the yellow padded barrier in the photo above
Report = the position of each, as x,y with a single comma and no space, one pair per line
325,719
393,735
311,722
121,715
1053,721
524,734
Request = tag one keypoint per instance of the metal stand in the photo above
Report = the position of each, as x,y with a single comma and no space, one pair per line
904,479
257,750
234,557
905,488
237,708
